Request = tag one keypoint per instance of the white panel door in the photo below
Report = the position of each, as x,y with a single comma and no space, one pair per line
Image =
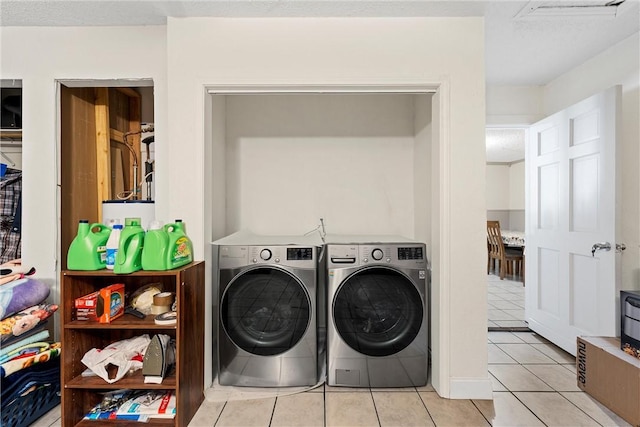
571,205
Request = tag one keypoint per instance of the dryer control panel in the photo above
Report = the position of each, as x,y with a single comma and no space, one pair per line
408,255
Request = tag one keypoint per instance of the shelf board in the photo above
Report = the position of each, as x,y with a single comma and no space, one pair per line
142,273
131,381
125,322
125,423
11,133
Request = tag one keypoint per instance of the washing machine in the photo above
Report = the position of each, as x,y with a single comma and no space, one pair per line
267,324
377,320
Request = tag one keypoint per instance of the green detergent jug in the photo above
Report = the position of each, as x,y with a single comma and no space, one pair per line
156,246
180,250
129,256
88,249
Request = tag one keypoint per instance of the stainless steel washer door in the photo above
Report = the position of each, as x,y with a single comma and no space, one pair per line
265,311
377,311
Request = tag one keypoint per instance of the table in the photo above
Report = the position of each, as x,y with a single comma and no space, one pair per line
512,238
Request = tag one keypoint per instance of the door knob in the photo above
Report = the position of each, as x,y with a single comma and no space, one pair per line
603,246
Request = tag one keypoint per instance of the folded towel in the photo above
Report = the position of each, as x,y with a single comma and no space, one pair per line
20,294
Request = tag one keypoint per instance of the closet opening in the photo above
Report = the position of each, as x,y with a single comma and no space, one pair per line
10,170
106,151
365,161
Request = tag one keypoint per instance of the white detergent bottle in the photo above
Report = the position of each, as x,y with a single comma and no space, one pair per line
112,245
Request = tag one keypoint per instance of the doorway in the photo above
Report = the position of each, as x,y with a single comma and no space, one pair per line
505,195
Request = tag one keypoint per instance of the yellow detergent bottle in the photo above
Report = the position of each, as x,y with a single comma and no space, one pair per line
156,246
129,256
180,248
88,249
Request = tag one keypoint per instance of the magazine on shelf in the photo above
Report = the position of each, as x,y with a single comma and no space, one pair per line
107,409
154,404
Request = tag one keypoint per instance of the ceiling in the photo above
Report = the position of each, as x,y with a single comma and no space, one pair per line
526,42
505,145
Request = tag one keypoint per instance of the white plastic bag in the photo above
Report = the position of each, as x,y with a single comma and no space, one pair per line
127,355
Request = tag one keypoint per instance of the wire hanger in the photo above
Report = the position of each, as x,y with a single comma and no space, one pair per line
7,158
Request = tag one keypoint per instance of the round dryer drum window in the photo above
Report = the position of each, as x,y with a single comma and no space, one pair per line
265,311
378,311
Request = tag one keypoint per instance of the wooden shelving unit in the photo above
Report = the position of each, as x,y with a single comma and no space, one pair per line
80,394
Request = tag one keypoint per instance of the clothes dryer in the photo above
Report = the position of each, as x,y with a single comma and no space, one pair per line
377,321
267,334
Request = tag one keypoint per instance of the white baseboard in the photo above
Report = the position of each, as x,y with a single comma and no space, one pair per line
471,388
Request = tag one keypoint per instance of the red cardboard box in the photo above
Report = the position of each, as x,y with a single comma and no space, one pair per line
104,305
610,375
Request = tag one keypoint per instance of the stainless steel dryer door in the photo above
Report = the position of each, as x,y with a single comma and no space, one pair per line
377,311
265,311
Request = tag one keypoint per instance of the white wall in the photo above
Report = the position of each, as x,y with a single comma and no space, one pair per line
505,186
40,56
293,159
513,105
352,53
497,188
618,65
516,186
422,170
505,194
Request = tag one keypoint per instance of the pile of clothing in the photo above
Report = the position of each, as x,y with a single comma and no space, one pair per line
29,361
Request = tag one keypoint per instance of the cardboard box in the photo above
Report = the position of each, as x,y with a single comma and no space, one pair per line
86,314
103,306
610,375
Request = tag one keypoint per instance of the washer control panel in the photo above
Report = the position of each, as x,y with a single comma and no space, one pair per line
234,256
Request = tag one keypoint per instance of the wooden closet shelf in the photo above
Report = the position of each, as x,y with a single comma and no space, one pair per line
134,380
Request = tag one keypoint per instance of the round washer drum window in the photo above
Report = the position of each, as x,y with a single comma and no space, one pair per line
378,311
265,311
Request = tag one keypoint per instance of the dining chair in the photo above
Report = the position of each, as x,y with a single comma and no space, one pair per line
496,252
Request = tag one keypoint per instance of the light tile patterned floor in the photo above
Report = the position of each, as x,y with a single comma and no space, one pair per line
534,385
533,381
505,303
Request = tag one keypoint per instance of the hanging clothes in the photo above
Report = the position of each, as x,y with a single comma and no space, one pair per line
10,215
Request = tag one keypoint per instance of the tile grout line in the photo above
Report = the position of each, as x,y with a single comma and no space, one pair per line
375,408
534,374
529,409
220,414
579,408
481,413
273,411
324,404
426,408
501,383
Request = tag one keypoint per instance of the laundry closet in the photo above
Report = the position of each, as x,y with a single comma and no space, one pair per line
305,165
